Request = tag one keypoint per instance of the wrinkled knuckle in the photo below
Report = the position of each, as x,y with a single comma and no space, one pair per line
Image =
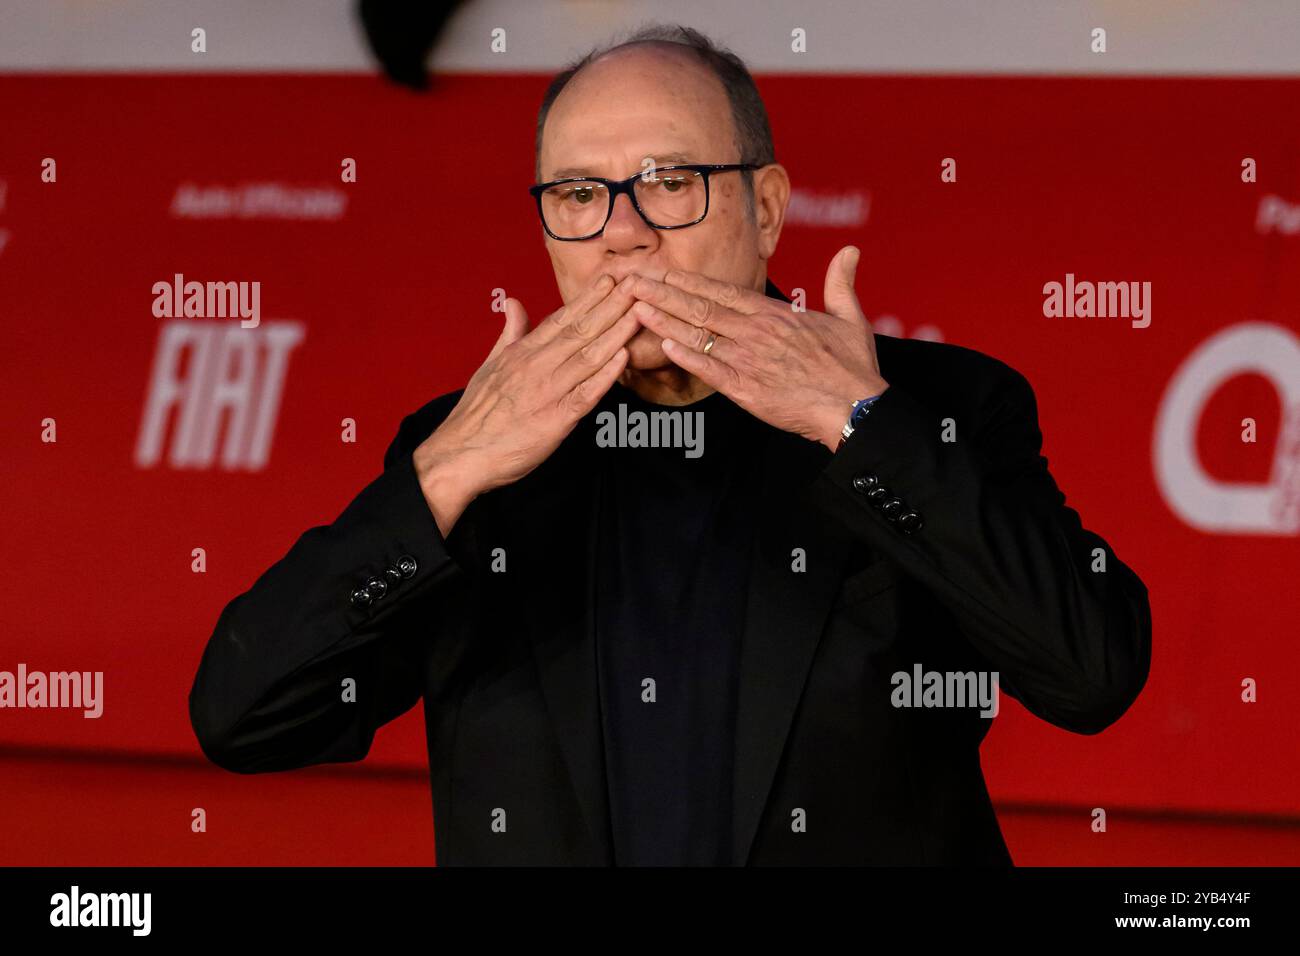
701,309
572,329
729,293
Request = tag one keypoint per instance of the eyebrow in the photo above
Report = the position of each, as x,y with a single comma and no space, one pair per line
660,159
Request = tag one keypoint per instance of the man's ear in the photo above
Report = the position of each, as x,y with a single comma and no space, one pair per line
771,196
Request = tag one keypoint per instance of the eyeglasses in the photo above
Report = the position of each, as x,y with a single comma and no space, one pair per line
666,197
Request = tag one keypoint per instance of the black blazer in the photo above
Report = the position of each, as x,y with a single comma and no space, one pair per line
994,572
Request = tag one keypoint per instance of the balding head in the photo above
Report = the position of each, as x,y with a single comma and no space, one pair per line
751,132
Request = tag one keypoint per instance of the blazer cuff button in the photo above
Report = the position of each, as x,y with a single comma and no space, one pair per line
864,483
909,522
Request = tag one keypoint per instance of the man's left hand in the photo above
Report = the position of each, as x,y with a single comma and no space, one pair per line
798,371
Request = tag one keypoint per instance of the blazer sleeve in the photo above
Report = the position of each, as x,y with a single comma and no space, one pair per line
269,691
1000,549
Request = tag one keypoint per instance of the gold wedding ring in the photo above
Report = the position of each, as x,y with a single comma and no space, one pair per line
709,343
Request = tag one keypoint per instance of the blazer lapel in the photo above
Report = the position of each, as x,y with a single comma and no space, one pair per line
785,614
558,535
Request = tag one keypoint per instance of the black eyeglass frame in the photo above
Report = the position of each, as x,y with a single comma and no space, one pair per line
616,187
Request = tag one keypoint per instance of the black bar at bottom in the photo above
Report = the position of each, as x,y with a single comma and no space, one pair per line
327,907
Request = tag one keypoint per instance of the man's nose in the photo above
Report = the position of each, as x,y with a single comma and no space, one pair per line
626,230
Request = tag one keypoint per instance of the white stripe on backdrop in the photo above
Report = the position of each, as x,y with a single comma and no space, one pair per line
1161,37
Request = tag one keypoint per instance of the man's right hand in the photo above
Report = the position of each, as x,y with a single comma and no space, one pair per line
530,393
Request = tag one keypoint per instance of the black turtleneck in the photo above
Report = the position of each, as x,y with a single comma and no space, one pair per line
673,562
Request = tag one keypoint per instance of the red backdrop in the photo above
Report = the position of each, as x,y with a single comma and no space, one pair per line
389,282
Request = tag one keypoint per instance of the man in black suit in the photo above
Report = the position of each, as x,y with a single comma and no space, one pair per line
639,646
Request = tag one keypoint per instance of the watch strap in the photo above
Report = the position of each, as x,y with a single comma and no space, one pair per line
857,412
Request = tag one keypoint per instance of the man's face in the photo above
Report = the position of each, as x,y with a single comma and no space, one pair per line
652,102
